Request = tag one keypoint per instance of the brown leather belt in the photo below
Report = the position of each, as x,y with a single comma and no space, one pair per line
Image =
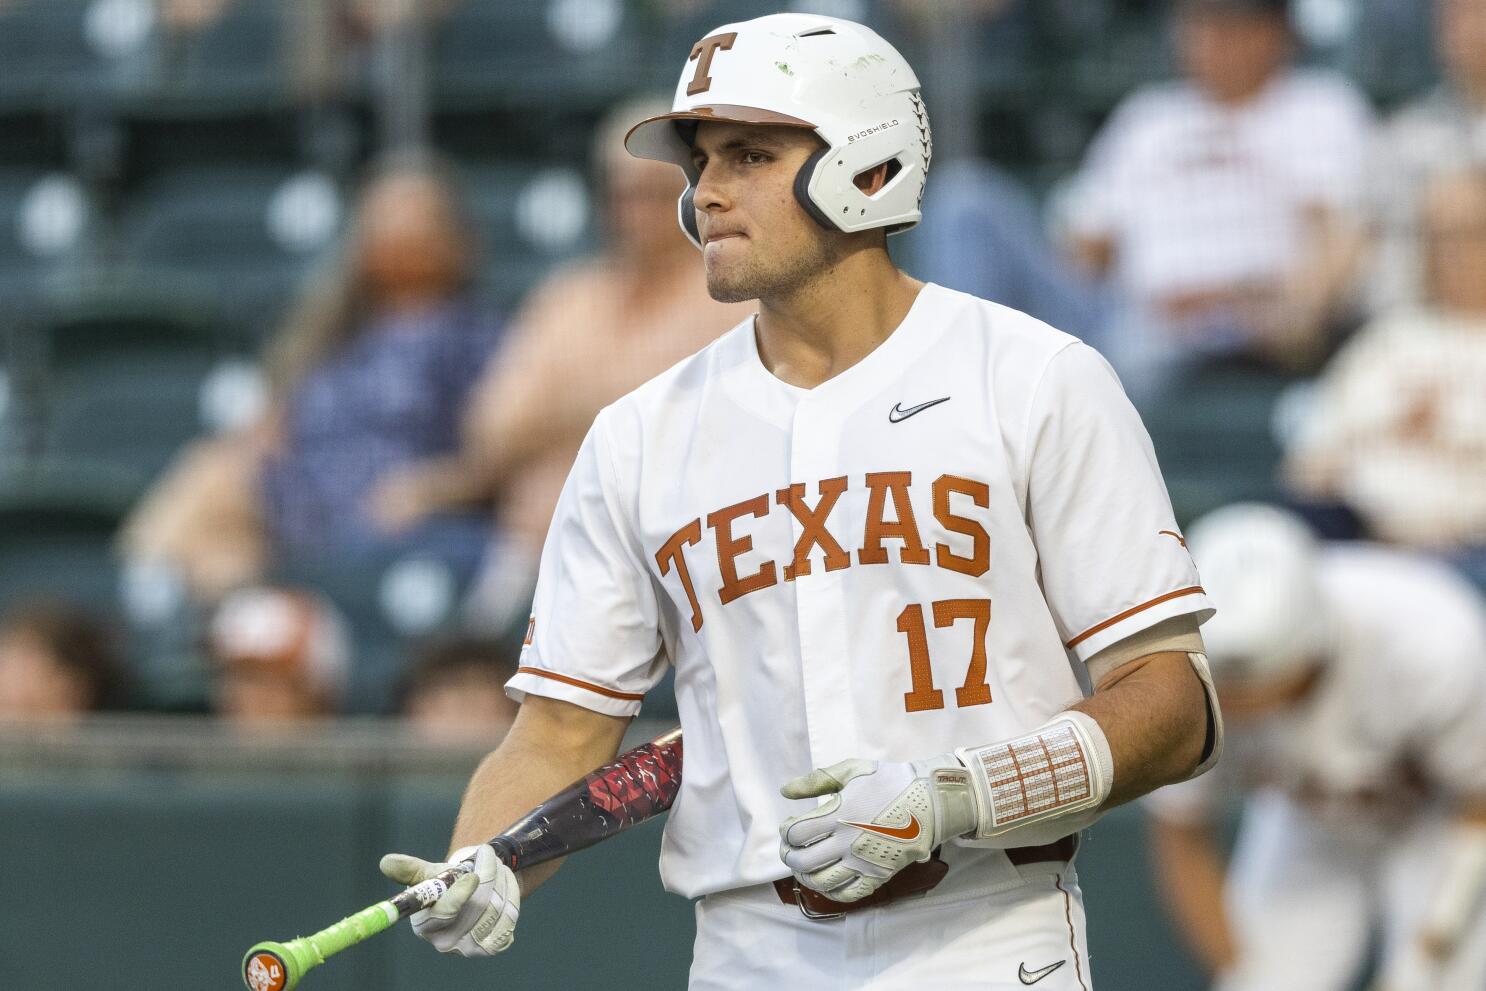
915,879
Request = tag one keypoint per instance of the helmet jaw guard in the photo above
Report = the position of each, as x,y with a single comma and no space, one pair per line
835,77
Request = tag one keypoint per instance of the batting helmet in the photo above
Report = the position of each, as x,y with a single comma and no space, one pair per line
1259,565
834,77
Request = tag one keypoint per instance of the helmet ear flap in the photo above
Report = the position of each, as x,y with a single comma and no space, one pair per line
686,215
802,190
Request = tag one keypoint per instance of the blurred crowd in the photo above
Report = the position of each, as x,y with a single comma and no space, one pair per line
1255,213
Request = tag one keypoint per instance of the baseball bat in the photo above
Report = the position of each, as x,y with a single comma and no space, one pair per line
637,785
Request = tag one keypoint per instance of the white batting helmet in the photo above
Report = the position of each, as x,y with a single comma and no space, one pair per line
837,78
1258,564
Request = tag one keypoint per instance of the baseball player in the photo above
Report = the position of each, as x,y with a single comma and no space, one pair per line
1354,677
900,535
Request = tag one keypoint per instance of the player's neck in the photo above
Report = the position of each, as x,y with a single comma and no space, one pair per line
833,322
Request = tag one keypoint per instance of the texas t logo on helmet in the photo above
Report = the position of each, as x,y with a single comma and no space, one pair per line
836,78
702,54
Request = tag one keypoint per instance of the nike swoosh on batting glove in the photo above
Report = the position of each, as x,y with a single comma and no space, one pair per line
879,818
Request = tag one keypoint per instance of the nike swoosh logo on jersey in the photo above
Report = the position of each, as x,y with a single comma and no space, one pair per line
898,414
907,832
1033,976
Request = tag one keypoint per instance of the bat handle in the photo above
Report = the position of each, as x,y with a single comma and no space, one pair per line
280,966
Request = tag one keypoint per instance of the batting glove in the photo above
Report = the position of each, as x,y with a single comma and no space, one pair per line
476,917
880,818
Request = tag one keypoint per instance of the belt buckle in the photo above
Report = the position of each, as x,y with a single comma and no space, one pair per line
807,913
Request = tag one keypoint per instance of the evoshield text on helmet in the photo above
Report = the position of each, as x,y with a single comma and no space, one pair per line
834,77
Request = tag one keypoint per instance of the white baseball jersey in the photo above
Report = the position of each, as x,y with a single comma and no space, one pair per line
1395,719
918,554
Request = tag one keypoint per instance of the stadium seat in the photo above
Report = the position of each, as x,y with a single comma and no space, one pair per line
574,52
134,411
44,50
45,223
1214,437
388,603
56,530
120,377
244,235
238,57
530,220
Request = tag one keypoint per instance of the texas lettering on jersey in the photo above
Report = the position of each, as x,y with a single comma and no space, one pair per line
866,548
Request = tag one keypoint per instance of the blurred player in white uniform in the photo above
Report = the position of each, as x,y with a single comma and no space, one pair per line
1354,680
911,539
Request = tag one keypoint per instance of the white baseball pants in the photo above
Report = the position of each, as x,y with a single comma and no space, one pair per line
1031,934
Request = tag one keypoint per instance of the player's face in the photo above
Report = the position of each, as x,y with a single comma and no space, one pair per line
1461,37
1455,243
1249,702
757,241
1231,54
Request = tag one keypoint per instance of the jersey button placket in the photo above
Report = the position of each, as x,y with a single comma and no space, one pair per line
820,607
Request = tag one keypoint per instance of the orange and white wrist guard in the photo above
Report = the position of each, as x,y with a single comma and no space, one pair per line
1040,787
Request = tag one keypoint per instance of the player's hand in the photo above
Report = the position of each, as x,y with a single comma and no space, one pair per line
476,917
880,818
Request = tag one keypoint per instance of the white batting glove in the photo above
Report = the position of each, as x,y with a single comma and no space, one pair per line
477,916
880,818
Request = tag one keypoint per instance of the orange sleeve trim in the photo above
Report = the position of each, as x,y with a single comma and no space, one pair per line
1194,590
577,683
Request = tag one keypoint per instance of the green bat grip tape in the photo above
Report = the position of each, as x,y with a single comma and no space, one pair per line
279,966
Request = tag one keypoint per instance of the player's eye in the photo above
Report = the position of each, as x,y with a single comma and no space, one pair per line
753,157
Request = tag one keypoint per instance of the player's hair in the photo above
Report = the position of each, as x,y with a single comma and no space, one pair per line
333,309
452,654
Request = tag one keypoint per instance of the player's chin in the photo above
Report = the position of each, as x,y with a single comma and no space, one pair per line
726,284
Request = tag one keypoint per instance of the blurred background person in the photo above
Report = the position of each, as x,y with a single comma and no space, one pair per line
280,656
368,375
587,335
1442,132
1396,431
982,233
455,691
1352,679
1225,206
57,663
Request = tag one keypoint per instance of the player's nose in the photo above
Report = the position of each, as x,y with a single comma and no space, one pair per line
710,195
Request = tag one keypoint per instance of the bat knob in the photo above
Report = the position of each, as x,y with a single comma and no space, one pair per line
272,967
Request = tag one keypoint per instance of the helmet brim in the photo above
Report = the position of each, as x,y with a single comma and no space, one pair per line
656,138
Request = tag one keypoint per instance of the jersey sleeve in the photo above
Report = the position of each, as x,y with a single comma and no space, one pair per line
1112,559
594,636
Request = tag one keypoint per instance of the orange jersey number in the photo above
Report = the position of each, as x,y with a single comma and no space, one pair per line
924,696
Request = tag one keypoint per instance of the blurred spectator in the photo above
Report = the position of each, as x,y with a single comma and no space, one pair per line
1443,132
982,234
1225,205
184,16
1397,428
585,337
331,42
455,692
57,662
368,375
280,656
